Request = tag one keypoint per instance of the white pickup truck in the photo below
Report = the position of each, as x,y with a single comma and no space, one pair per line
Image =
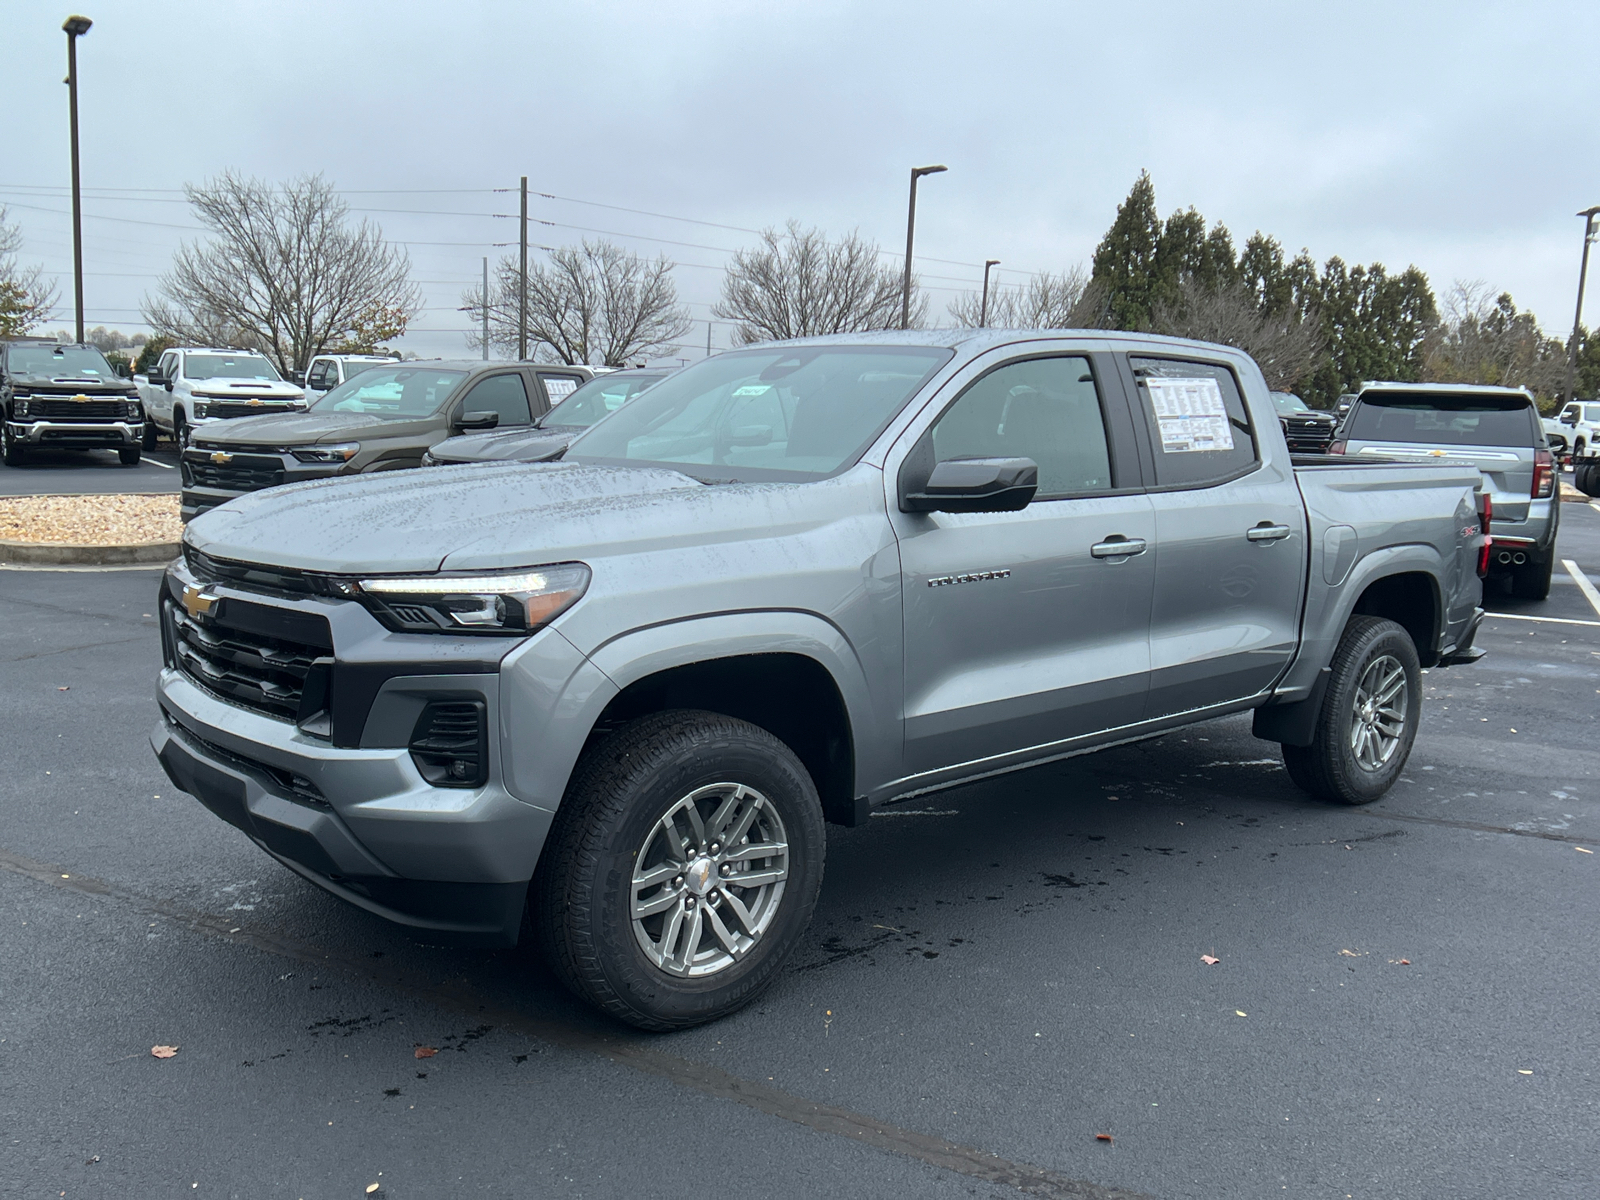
192,386
1575,430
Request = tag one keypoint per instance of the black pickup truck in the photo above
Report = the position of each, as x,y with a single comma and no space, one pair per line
62,396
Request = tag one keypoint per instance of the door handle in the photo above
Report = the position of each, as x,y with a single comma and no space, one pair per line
1118,546
1267,533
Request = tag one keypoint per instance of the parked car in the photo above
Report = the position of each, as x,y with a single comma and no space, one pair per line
548,436
1497,429
1306,430
1575,430
327,371
790,583
190,387
383,419
65,396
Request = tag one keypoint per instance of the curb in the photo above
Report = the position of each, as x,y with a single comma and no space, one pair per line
61,554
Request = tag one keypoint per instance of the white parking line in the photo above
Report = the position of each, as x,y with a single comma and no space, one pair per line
1550,620
1595,504
156,462
1582,580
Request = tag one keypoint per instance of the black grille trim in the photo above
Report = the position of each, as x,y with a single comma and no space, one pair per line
80,410
250,655
450,743
242,408
275,779
277,581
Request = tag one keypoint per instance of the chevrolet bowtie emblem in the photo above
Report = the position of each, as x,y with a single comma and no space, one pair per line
197,602
80,399
222,458
255,403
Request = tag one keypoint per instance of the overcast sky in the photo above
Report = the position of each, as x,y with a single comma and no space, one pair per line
1457,136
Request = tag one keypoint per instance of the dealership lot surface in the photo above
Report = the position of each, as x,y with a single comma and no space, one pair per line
1405,1002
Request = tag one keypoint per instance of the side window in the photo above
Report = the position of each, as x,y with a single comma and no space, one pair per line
1046,409
504,394
169,363
558,387
1199,426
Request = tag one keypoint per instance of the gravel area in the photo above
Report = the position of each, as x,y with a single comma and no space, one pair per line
106,520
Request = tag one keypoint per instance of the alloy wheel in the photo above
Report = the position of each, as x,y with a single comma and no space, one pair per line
1379,710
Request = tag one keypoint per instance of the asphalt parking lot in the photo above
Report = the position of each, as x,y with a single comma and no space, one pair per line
70,472
1404,1002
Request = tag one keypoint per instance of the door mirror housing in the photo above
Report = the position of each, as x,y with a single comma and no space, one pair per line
971,485
1569,418
155,378
479,420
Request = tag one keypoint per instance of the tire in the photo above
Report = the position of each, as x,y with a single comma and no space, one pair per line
1532,580
129,457
613,825
180,429
152,435
1329,768
9,450
1587,479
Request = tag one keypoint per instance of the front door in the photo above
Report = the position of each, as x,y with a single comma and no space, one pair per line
1230,540
1025,628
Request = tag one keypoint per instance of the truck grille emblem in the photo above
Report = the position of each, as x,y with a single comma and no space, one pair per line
80,399
197,602
222,458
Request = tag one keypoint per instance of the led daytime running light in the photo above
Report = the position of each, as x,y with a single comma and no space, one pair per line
459,585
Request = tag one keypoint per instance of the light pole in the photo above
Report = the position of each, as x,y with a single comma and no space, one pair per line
911,233
983,309
1588,216
486,309
74,28
522,280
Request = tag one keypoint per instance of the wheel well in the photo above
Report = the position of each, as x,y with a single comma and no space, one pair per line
1411,600
791,696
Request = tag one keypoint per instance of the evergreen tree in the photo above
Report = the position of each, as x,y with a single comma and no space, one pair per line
1125,269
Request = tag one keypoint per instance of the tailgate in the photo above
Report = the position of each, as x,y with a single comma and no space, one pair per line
1507,471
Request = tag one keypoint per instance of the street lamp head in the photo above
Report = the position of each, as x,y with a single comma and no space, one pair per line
934,170
991,262
1590,212
76,26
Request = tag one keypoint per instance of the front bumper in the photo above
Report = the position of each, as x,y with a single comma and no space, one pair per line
70,434
268,470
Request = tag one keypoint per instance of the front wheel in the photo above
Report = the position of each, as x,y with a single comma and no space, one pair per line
129,457
151,434
682,870
1369,716
9,449
180,429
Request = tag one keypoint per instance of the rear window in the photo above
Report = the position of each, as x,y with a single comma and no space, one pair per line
1443,419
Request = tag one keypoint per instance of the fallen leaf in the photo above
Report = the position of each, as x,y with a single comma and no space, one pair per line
163,1051
426,1052
1350,953
1581,850
372,1187
1104,1137
1522,1072
1240,1013
63,689
1209,960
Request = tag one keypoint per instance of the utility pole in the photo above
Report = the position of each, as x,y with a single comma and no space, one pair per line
983,309
522,280
911,233
708,339
486,308
74,28
1588,216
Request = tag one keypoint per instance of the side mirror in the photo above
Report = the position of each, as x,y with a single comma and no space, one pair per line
166,383
968,485
479,420
155,377
1569,418
298,378
751,435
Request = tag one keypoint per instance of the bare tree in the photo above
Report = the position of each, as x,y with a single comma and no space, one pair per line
26,298
799,284
1046,301
1285,345
287,273
1485,339
592,303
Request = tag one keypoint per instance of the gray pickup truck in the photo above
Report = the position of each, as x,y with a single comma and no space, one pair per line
613,699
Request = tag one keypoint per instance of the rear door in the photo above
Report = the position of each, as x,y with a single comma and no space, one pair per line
1020,628
1230,536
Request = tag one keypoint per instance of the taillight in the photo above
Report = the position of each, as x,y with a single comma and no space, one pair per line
1336,447
1544,475
1485,517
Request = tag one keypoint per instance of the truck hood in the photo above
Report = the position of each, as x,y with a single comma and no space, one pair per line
72,385
305,429
479,517
223,388
507,445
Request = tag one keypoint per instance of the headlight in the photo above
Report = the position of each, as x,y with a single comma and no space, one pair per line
19,408
509,602
200,408
134,411
326,454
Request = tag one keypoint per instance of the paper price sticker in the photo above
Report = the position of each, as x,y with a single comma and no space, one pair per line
1190,414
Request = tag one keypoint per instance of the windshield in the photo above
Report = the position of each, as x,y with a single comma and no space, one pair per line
600,398
780,414
352,369
64,362
1591,413
1287,402
228,366
394,392
1443,419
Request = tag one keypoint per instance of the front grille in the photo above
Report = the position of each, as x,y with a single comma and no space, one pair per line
449,743
278,581
243,474
252,654
81,410
241,408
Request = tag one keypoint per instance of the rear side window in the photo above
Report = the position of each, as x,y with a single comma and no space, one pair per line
1199,426
1443,418
558,387
503,394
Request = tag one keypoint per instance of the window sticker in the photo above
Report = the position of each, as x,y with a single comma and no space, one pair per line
753,389
1190,415
559,387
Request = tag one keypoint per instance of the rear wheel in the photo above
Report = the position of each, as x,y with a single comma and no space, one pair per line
682,871
1369,716
1531,581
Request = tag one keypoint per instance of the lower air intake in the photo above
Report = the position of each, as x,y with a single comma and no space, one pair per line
450,743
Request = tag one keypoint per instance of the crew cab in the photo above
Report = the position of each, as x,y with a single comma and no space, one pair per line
65,396
327,371
621,693
384,419
190,387
1495,428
